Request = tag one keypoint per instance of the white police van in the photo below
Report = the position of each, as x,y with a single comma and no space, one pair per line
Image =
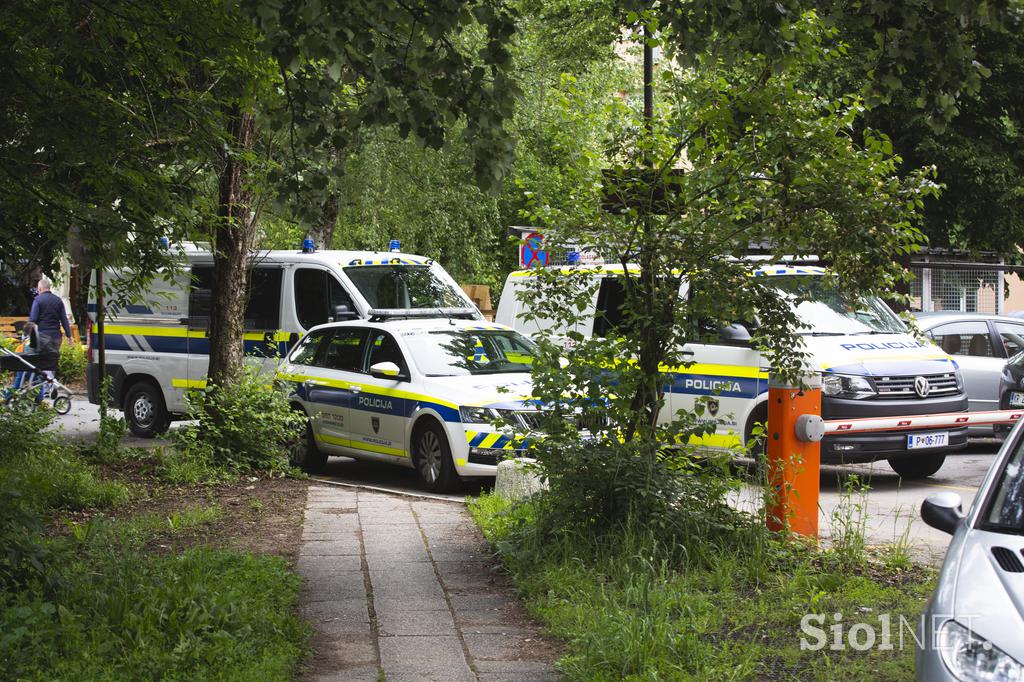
157,348
417,392
871,367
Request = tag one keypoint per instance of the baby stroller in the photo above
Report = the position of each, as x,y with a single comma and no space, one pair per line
35,370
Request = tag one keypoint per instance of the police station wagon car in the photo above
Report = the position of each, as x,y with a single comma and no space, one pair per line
415,391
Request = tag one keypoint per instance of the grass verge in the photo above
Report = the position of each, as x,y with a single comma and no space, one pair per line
108,571
629,615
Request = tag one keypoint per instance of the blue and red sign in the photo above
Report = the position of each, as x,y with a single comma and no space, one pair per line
531,252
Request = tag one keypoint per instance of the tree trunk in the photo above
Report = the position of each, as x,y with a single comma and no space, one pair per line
323,232
233,238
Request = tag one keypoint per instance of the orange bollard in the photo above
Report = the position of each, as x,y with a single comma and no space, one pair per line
794,464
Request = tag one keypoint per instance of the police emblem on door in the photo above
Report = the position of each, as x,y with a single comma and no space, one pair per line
713,407
375,421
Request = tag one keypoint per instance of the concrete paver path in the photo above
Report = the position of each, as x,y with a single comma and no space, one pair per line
400,589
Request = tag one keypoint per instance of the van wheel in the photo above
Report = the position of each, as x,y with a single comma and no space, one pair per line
145,411
305,454
433,458
918,466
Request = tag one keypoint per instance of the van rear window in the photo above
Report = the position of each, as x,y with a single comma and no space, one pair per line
404,286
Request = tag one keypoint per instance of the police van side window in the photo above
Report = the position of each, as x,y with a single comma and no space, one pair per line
199,293
344,350
263,309
608,317
317,294
307,350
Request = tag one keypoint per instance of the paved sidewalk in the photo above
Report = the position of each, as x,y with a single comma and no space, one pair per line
402,589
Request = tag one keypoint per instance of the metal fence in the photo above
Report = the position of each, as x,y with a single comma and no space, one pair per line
967,290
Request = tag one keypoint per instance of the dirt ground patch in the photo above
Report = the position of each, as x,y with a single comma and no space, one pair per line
255,513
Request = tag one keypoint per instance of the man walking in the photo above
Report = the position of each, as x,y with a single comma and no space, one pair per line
48,315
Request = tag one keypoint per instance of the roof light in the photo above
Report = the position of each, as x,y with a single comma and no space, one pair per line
572,258
308,245
394,245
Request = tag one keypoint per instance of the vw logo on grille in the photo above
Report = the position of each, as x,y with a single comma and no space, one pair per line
922,387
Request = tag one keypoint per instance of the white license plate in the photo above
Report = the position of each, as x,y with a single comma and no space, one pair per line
1016,399
917,441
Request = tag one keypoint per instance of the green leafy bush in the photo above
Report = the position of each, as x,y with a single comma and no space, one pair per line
243,426
72,363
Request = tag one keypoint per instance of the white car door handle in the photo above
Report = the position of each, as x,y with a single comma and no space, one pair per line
355,388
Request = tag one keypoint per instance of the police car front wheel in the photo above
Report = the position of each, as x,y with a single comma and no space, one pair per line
433,458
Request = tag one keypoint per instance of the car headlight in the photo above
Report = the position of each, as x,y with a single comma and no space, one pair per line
847,385
475,415
973,659
486,415
959,380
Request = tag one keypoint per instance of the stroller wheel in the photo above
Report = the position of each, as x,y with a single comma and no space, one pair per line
62,404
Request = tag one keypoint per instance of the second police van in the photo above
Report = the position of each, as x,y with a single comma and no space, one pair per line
157,348
871,367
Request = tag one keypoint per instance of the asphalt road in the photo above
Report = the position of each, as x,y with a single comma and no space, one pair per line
891,505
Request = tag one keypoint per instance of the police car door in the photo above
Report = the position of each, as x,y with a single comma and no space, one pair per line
329,388
379,416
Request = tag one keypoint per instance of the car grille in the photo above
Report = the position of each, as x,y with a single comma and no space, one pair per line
903,386
530,419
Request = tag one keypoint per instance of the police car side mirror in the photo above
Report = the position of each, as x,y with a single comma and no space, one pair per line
342,313
734,334
385,370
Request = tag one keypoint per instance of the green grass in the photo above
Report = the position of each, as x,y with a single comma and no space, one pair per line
628,615
96,603
206,614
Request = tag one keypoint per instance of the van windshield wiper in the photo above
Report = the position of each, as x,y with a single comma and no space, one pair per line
821,334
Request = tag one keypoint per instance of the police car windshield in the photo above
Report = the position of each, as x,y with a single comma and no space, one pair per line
403,286
459,352
823,310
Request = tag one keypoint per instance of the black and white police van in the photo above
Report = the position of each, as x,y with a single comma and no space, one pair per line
871,367
157,348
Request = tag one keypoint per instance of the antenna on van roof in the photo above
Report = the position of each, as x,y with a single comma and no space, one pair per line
384,314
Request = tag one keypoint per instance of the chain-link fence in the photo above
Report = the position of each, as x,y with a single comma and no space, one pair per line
962,289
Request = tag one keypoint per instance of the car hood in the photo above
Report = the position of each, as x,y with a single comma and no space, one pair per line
877,355
987,598
486,390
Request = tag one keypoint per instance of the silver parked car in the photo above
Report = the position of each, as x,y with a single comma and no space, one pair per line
973,627
980,344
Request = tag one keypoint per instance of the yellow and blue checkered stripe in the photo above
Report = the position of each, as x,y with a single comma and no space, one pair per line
181,340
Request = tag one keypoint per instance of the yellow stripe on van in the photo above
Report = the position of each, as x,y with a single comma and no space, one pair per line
181,332
717,440
188,383
359,445
739,371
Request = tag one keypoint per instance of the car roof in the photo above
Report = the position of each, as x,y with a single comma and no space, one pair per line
930,319
419,324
